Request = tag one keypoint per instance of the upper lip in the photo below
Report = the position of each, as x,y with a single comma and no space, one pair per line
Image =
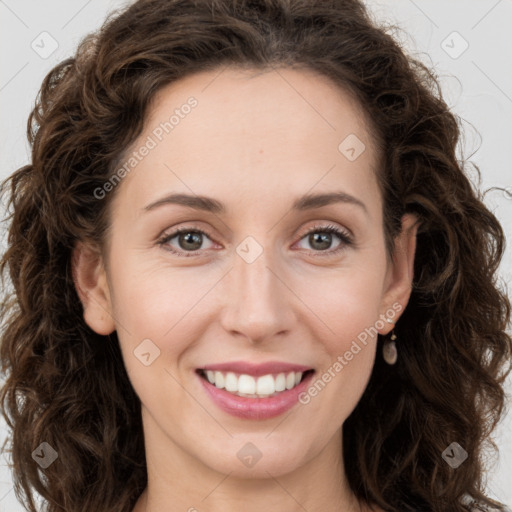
270,367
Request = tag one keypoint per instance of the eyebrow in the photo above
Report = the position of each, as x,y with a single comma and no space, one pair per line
306,202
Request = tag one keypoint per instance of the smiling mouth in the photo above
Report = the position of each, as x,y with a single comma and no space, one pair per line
248,386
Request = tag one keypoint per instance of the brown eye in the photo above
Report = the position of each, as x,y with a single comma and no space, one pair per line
188,240
320,241
321,238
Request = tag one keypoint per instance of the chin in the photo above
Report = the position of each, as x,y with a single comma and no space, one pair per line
258,457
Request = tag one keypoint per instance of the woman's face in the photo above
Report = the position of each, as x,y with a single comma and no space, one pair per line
248,294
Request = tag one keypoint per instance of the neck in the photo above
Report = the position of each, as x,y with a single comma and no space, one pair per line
179,482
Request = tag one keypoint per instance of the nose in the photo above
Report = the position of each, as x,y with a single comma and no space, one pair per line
258,302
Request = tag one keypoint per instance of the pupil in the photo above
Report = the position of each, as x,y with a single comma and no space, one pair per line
188,238
324,240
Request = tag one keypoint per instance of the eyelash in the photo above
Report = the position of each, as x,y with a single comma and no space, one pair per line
345,238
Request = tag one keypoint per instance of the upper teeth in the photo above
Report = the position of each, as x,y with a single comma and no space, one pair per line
247,385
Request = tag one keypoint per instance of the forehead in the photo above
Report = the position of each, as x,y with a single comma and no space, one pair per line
252,130
270,99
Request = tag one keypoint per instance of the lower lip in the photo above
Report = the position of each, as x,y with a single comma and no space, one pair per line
255,408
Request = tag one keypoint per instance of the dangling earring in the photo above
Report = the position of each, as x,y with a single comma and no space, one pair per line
389,352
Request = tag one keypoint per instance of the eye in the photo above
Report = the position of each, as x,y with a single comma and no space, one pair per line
320,238
188,240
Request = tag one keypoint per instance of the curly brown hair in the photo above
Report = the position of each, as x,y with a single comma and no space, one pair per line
66,386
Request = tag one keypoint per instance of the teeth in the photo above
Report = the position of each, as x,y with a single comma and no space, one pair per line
254,387
231,382
246,384
290,380
281,382
219,380
266,385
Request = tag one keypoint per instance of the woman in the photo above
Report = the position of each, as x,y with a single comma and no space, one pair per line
249,269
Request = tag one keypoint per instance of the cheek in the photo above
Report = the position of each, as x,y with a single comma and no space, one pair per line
153,311
166,306
350,354
346,302
151,298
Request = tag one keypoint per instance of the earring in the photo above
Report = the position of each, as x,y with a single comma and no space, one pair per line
389,352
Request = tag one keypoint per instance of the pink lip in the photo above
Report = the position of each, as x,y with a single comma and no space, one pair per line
255,408
257,370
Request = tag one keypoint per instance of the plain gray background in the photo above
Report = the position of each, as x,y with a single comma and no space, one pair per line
468,42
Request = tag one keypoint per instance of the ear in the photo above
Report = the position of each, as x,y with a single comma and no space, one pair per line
399,277
92,287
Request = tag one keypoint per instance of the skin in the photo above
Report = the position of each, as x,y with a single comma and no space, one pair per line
255,142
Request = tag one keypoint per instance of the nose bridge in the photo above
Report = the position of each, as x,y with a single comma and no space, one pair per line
257,302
